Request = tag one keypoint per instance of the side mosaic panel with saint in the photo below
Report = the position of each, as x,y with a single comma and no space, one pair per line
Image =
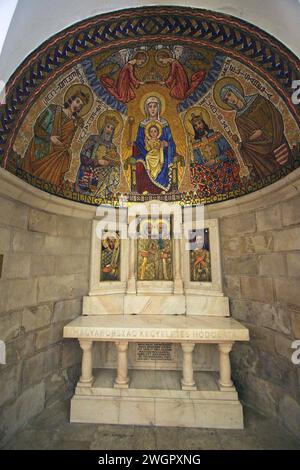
110,257
200,259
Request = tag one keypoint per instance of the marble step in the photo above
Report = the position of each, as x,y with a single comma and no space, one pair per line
162,404
156,384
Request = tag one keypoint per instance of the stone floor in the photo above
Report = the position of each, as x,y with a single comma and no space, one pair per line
51,430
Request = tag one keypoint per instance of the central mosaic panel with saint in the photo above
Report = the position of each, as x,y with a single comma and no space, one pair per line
154,249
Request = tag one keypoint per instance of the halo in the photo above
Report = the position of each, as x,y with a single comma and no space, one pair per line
154,225
146,56
143,222
153,123
111,114
165,222
198,110
158,53
218,87
77,88
157,95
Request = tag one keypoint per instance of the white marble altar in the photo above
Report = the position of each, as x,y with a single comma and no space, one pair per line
194,402
187,385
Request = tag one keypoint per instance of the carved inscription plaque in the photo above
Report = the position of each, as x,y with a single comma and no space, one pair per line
155,352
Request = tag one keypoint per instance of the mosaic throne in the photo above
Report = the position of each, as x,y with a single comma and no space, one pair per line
179,162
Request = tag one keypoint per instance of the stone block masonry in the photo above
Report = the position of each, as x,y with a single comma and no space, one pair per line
261,268
44,276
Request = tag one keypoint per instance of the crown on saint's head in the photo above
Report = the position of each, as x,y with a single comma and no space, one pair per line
196,117
112,120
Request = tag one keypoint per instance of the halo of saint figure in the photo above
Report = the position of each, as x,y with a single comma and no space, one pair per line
157,120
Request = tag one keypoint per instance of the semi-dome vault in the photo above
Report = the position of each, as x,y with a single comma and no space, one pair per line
168,103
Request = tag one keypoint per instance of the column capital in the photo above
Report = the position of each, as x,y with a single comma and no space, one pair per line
225,347
188,347
122,346
85,344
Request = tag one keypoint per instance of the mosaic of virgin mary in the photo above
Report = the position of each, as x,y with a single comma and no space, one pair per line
154,140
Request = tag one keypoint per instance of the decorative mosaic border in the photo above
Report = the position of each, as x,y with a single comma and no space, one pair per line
229,35
187,198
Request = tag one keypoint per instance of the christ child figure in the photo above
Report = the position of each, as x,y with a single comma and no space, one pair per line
154,147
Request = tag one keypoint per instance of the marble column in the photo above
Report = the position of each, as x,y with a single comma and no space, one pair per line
187,381
225,381
178,284
122,379
86,378
131,283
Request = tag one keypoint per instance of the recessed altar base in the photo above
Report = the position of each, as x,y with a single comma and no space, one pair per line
164,403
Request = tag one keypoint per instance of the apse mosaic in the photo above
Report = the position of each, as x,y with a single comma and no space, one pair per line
170,103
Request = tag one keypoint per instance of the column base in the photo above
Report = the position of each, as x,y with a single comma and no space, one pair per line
185,386
122,385
226,388
88,383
